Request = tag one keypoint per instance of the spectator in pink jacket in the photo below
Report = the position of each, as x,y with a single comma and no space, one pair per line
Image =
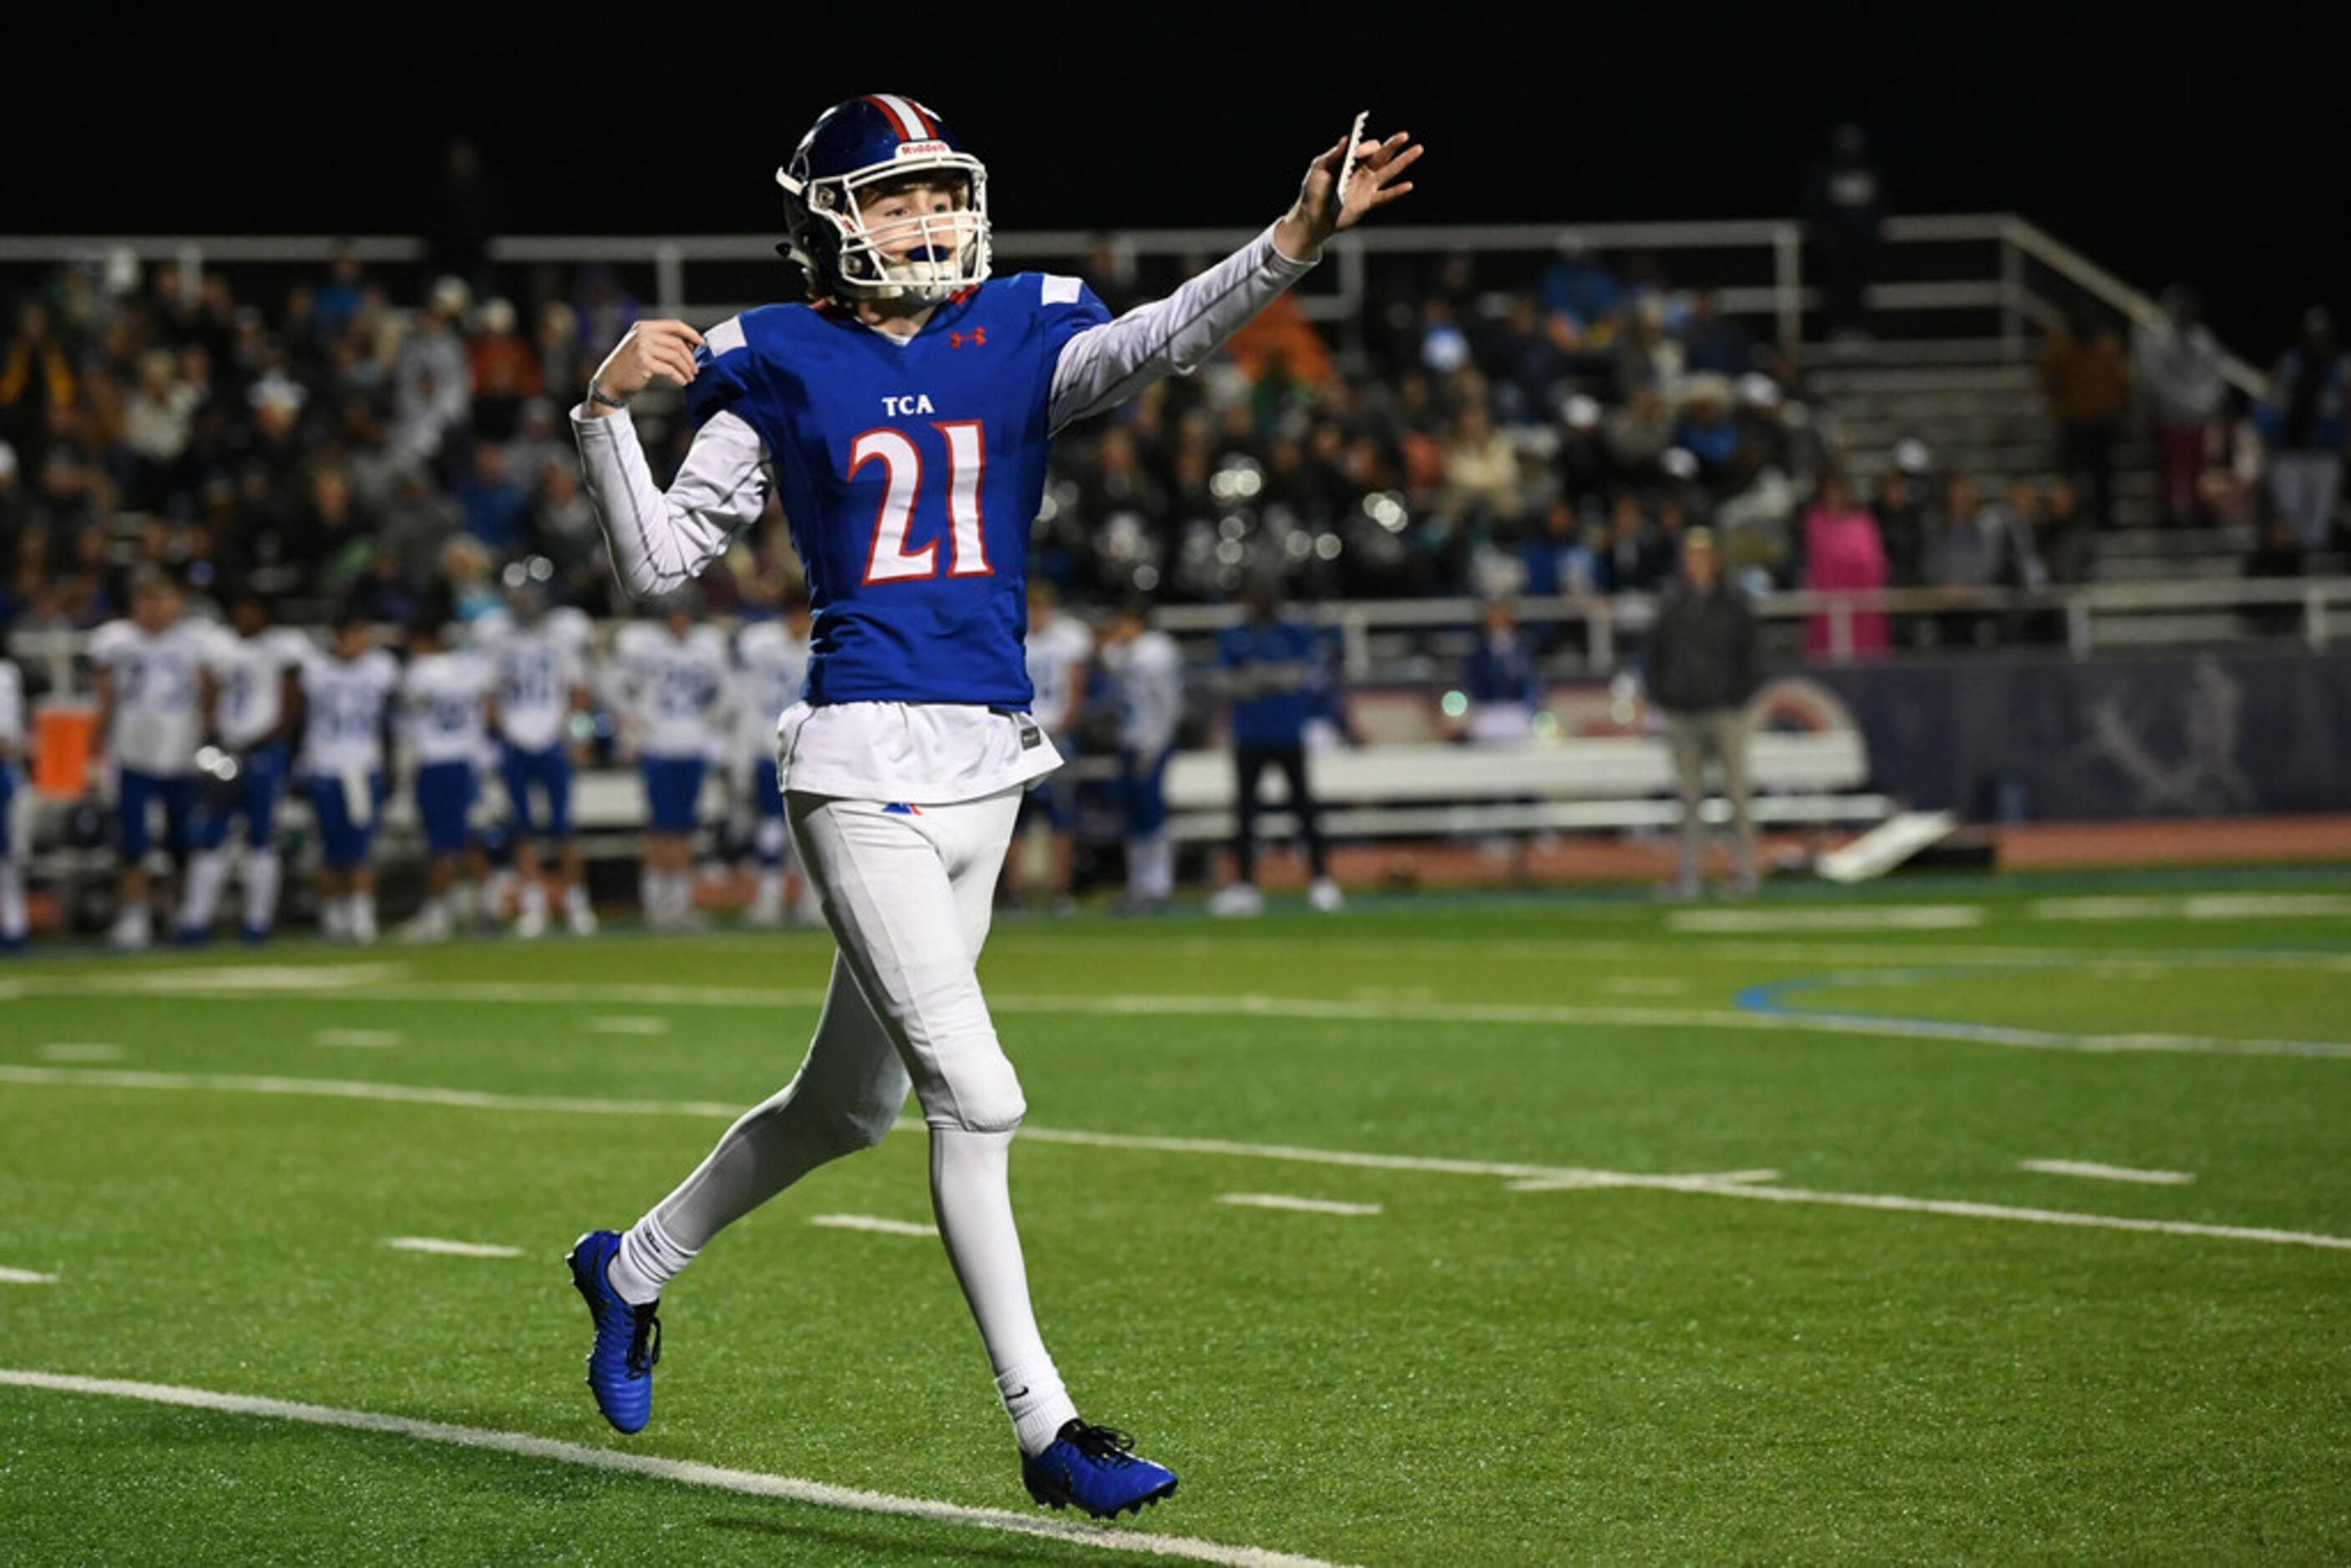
1843,555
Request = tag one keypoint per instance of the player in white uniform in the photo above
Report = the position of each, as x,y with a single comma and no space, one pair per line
444,694
537,660
909,468
345,693
673,675
152,685
1060,647
254,667
770,668
1147,669
15,818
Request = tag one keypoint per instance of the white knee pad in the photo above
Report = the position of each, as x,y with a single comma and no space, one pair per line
982,1095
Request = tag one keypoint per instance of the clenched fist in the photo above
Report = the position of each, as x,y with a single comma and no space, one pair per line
650,349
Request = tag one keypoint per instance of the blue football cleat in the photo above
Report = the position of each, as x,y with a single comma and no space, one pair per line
628,1338
1096,1469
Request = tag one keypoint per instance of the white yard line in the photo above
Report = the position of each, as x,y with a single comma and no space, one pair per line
1775,919
1957,1208
873,1222
2195,906
360,1038
25,1277
80,1050
2097,1172
449,1249
749,1483
617,1024
1336,1009
1730,1184
1644,985
1302,1205
341,1089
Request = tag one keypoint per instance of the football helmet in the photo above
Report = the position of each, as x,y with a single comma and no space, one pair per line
868,142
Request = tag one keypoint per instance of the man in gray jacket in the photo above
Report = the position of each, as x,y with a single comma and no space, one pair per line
1703,669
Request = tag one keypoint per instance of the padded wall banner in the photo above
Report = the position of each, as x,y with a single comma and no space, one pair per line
2221,734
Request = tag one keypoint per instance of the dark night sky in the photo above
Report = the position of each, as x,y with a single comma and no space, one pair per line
2160,148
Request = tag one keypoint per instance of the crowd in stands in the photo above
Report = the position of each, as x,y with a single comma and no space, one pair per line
334,444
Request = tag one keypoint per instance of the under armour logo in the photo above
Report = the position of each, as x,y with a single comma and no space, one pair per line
977,338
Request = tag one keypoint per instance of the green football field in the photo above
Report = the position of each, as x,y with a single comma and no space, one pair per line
1955,1220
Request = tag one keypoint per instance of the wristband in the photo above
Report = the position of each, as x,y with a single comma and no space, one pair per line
597,394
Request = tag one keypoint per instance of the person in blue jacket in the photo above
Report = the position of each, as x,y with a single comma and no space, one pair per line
1277,676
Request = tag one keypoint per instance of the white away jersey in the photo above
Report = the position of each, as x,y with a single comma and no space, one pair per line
249,673
12,713
158,719
675,688
1150,676
1057,651
534,672
442,697
771,667
343,733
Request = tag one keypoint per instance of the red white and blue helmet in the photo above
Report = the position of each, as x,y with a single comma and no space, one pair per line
867,142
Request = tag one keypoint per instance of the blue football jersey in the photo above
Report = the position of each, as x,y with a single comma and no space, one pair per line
909,474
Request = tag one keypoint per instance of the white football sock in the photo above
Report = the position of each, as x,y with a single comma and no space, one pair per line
574,897
648,1260
460,903
534,898
260,888
12,901
1161,854
1138,869
362,918
207,875
972,1196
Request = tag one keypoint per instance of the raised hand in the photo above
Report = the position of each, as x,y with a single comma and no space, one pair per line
650,349
1323,209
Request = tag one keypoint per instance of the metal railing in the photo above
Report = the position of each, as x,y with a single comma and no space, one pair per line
2008,295
1610,626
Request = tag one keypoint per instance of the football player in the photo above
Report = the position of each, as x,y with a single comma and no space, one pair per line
537,659
250,714
151,686
14,820
771,666
443,697
1146,669
905,415
1058,649
344,693
674,674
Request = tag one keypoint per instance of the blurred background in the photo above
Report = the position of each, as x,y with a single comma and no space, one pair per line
1990,366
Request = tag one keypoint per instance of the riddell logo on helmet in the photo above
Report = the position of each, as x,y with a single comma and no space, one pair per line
920,149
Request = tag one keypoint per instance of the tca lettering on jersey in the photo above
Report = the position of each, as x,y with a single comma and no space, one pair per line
903,407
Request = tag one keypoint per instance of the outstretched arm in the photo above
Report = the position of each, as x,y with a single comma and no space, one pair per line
1102,368
661,540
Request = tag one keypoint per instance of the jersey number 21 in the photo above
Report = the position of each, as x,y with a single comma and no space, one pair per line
890,560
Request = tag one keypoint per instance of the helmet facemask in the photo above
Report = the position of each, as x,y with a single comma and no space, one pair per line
952,252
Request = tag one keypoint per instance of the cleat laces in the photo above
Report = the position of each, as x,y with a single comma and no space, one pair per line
1104,1444
644,1341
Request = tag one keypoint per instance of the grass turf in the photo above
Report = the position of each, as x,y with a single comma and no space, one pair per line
1474,1373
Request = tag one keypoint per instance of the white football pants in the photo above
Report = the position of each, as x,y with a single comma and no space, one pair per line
908,894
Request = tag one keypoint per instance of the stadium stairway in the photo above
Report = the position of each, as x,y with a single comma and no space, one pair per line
1976,405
